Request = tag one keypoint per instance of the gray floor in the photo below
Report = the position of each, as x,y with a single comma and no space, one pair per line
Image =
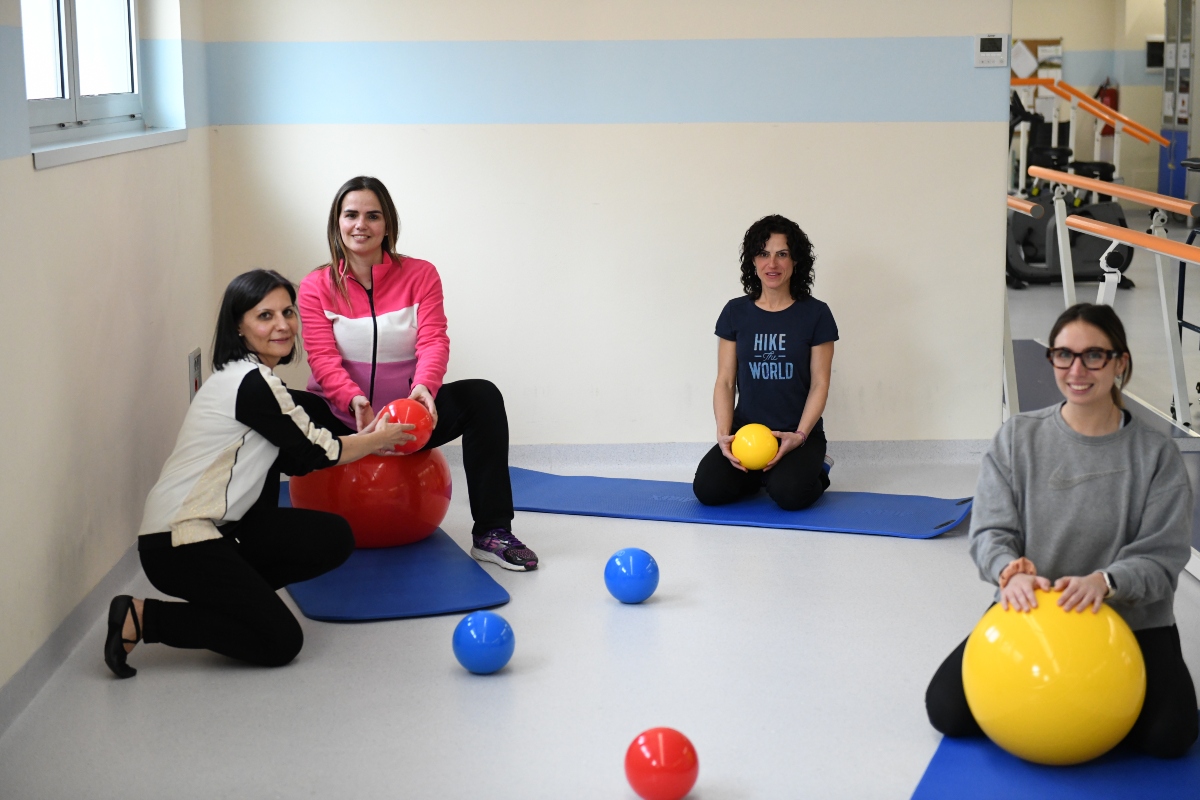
796,662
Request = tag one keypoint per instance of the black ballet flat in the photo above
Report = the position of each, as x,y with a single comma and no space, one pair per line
114,645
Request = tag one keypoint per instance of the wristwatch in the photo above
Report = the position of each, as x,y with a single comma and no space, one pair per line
1111,583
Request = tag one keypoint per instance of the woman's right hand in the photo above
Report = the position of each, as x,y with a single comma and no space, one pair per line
363,415
388,435
1018,592
725,442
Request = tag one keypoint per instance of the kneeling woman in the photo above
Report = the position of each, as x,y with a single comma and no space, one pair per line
775,353
1086,496
213,533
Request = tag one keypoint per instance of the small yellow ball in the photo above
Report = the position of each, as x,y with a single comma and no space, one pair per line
754,445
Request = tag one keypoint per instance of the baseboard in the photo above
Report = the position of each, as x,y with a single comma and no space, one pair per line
21,688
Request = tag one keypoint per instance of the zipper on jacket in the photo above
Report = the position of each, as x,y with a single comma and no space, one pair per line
374,344
374,338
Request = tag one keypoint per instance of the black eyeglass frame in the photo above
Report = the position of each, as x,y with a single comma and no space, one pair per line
1109,355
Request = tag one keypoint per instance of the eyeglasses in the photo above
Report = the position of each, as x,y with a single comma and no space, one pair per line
1092,359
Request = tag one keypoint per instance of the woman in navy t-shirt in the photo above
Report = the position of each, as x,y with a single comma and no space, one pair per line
774,355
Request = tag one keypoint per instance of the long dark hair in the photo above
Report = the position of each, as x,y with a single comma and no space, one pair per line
333,231
799,246
1104,319
242,294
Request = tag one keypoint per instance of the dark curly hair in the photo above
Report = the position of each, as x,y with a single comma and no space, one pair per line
799,246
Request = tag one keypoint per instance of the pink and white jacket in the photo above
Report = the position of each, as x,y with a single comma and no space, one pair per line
380,344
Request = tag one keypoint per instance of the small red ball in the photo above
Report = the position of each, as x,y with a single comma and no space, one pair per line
661,764
410,412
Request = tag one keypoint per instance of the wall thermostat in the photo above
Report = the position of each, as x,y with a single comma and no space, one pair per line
991,50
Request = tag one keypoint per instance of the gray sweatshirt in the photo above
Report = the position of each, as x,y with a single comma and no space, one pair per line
1074,504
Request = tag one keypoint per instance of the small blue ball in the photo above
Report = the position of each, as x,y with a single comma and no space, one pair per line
631,575
483,642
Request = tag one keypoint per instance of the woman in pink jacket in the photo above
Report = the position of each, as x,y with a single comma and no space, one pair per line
375,331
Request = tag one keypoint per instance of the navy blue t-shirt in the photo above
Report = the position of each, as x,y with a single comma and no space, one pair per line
773,353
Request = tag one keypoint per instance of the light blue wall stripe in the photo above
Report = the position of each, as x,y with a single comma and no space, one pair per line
162,82
195,83
14,111
770,80
1129,66
1091,67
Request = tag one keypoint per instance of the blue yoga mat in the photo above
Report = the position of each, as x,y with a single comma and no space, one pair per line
907,516
429,577
432,576
980,770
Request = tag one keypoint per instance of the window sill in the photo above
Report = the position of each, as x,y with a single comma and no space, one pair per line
55,155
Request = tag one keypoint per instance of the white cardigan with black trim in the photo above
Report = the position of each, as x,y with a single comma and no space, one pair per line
235,428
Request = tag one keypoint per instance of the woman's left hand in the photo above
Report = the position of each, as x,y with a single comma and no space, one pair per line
423,396
1080,592
788,441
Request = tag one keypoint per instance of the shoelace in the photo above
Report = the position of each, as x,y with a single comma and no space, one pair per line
505,536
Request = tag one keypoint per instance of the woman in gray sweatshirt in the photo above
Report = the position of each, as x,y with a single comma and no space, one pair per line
1083,498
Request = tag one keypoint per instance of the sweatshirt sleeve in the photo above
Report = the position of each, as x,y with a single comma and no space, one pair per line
263,403
997,535
324,358
1147,569
433,343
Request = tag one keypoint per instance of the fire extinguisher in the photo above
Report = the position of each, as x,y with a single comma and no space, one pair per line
1110,96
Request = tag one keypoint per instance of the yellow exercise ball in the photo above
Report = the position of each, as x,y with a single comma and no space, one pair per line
754,445
1053,686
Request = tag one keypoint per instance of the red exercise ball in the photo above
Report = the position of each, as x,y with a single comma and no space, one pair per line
410,412
661,764
388,500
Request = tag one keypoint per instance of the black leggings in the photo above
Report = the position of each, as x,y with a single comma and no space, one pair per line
230,583
474,410
796,482
1166,728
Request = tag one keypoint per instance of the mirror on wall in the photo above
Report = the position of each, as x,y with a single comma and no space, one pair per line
1118,52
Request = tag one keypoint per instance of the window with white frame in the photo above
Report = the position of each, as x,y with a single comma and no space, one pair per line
81,67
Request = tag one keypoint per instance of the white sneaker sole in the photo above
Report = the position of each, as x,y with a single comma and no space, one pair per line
492,558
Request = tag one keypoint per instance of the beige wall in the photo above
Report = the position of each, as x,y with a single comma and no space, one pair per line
570,20
107,272
1137,19
1082,24
107,275
584,266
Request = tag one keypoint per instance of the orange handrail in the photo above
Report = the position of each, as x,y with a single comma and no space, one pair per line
1097,109
1156,244
1173,204
1130,125
1026,207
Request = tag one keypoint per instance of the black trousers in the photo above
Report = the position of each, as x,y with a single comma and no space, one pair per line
230,583
796,482
474,410
1166,728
